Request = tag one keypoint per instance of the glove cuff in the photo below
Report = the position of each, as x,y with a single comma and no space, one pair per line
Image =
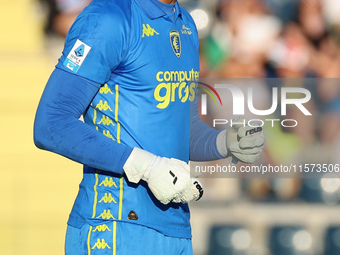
221,143
137,166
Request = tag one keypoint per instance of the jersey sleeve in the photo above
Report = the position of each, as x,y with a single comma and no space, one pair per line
96,43
203,145
57,127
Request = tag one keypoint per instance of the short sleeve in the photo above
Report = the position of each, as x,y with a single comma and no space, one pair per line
96,43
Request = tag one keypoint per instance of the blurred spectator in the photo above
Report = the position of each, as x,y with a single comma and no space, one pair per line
312,21
61,14
290,54
240,38
256,38
285,10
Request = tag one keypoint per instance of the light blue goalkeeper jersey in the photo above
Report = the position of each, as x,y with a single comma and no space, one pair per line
149,68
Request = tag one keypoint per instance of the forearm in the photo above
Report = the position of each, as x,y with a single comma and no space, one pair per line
203,146
58,129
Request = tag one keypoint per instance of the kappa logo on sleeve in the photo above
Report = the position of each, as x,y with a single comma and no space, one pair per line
77,56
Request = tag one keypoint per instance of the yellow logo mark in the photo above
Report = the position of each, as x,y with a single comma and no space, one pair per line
148,31
102,228
103,106
186,30
175,41
108,134
182,91
106,215
176,44
105,90
101,244
106,121
175,85
107,198
108,182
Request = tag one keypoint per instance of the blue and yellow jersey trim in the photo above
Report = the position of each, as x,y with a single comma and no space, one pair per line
103,183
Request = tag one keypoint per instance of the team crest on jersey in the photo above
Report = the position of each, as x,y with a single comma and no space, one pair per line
175,41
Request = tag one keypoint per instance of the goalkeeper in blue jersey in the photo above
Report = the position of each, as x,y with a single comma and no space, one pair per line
131,68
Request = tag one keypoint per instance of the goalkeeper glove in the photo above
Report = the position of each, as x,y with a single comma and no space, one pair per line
168,178
241,141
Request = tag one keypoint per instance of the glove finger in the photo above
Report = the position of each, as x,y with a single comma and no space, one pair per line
193,192
251,142
235,148
185,197
249,159
177,199
162,199
238,122
197,189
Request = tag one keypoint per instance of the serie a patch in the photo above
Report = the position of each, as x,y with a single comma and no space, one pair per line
77,56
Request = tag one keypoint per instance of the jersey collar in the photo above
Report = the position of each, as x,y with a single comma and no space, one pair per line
153,11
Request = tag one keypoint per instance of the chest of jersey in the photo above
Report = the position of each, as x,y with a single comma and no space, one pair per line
162,59
149,94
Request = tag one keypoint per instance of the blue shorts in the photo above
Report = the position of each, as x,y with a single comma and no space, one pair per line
120,238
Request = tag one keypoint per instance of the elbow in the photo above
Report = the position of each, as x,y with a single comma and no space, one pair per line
40,134
38,137
39,142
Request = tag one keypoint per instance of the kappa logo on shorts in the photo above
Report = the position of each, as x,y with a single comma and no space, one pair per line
175,41
77,56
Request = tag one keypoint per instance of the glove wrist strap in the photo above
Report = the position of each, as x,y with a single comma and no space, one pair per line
137,166
221,143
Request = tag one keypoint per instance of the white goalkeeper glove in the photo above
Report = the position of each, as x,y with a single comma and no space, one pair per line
242,142
168,178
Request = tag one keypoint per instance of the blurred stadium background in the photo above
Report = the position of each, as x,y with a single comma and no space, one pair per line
239,39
